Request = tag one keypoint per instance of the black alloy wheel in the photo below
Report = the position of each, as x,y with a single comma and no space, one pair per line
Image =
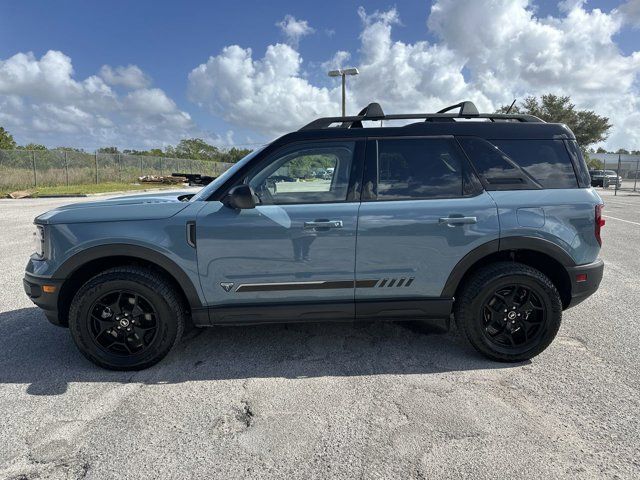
513,317
123,322
127,318
508,311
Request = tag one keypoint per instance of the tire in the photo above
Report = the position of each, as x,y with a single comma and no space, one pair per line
492,307
118,333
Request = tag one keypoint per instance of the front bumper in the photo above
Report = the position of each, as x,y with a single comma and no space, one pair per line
581,290
48,302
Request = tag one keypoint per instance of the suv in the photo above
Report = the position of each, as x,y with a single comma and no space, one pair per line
605,178
490,217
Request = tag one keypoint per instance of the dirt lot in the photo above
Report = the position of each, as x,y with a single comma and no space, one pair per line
326,400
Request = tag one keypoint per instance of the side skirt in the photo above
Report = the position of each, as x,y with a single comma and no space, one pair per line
380,310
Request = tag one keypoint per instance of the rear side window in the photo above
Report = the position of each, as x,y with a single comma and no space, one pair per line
420,168
497,170
546,161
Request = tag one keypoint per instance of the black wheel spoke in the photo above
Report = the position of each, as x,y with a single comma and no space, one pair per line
104,323
513,316
123,323
115,306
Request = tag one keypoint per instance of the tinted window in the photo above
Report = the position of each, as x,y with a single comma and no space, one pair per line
582,171
305,174
493,165
419,168
547,161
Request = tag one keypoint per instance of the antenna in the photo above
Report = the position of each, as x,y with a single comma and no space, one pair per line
511,106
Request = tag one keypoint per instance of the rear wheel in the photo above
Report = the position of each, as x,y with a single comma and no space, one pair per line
126,318
509,311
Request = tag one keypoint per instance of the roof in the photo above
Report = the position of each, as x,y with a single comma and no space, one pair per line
468,121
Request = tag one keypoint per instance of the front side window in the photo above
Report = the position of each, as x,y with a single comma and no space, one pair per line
310,173
419,168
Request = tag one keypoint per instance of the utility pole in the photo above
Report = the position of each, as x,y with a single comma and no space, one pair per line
343,73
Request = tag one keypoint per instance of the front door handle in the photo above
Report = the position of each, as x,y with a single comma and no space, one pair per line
325,224
458,220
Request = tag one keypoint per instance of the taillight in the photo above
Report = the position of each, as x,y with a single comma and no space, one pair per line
599,222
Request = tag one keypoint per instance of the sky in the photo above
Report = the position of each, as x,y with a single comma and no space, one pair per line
144,74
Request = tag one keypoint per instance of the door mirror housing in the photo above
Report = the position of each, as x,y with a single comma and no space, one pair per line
241,197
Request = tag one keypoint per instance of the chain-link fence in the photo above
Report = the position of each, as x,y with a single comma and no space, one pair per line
624,166
26,169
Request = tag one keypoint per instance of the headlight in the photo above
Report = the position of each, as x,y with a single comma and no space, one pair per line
38,241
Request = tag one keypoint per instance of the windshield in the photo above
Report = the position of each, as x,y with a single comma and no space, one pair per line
213,186
610,172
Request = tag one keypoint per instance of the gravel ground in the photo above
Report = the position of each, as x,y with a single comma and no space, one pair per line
326,400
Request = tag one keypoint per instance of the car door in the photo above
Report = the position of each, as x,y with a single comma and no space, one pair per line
423,210
294,252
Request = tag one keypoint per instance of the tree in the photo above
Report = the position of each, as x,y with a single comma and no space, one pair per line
601,150
195,148
6,140
587,126
108,150
32,146
594,164
623,151
234,154
69,149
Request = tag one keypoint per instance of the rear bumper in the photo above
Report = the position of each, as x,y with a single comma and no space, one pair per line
48,302
581,290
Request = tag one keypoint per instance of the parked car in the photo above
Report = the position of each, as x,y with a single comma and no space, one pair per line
605,178
493,221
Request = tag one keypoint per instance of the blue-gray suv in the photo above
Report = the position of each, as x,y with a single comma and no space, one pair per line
489,217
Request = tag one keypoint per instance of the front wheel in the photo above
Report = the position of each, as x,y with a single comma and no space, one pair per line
126,318
509,311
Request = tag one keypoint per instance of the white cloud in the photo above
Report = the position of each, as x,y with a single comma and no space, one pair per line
629,12
488,51
129,77
336,62
294,29
510,53
268,95
42,102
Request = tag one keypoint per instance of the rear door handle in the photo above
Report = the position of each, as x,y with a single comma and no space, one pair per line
323,224
458,220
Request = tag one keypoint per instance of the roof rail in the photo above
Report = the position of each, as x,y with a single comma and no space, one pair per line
466,108
373,111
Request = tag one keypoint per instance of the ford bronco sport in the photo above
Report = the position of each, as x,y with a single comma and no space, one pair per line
489,217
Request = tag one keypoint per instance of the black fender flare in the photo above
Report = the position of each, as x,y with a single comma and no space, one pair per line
534,244
83,257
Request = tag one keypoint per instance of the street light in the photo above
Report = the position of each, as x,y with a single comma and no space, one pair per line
343,73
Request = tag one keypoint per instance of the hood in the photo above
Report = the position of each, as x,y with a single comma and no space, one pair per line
153,206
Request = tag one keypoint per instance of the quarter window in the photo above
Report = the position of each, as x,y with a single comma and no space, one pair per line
521,164
547,161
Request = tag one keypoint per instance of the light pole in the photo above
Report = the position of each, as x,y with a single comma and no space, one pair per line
343,72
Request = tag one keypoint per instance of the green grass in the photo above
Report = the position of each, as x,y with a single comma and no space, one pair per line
90,188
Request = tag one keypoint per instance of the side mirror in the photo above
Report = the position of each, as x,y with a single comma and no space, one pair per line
241,197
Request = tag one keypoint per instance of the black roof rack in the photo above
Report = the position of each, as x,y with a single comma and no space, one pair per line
373,111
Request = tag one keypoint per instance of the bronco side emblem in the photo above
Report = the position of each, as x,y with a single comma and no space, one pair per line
227,286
